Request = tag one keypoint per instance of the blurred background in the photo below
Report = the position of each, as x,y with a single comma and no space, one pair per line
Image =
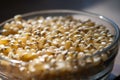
108,8
9,8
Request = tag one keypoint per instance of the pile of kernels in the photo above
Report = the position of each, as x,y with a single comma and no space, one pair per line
52,42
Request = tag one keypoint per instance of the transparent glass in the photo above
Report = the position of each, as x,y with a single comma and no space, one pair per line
9,69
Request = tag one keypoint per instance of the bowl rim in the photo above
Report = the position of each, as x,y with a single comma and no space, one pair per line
113,24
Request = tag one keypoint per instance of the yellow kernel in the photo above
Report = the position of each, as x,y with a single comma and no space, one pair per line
41,43
104,57
96,60
4,41
18,17
50,51
80,55
61,29
89,23
6,50
23,39
28,56
68,44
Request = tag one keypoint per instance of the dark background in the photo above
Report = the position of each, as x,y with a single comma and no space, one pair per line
9,8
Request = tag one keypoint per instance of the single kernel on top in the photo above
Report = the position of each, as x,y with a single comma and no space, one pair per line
18,17
54,43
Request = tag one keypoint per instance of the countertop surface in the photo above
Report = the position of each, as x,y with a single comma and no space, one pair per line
108,8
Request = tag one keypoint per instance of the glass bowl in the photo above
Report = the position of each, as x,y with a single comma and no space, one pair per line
9,69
